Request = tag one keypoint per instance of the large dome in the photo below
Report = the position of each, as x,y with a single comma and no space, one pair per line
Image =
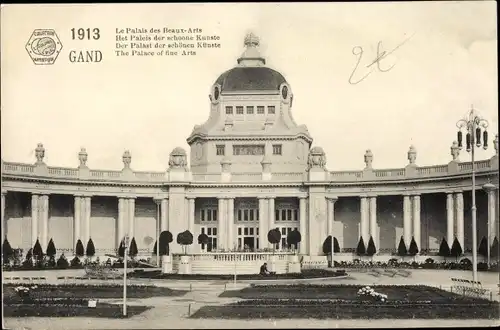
250,78
251,72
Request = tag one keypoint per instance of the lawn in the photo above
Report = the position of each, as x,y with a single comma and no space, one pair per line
342,302
94,291
305,274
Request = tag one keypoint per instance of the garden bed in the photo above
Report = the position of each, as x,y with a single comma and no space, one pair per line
95,291
58,310
406,293
305,274
298,310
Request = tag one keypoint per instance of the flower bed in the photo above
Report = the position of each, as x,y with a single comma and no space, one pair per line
52,310
305,274
98,291
406,293
348,311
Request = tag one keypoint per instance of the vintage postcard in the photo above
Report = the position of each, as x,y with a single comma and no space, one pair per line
249,165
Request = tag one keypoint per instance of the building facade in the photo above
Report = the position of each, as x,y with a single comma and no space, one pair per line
251,168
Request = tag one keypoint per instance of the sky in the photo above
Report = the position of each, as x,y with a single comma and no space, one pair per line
149,105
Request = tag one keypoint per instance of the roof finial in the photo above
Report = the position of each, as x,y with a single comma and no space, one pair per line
251,55
251,40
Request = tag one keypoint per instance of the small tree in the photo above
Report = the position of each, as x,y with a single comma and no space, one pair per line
37,250
494,250
121,249
203,240
371,249
133,251
413,250
155,247
166,238
361,249
79,250
402,251
483,247
294,238
444,249
7,252
456,249
51,249
90,251
274,237
185,239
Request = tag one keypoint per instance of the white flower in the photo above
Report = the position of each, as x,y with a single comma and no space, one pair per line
383,299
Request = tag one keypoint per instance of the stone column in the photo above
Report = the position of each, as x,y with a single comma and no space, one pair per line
303,225
120,230
44,217
449,219
330,218
4,227
191,211
77,220
221,224
164,214
407,220
131,218
86,207
364,225
373,221
271,213
263,225
230,223
416,220
491,216
459,209
34,218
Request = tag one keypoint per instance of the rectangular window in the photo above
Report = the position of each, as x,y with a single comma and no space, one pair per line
209,217
239,215
260,110
277,215
256,243
246,214
251,231
271,110
245,231
276,149
283,215
296,215
214,243
251,215
203,230
214,232
289,215
239,110
202,215
239,231
220,150
229,110
209,231
239,243
250,110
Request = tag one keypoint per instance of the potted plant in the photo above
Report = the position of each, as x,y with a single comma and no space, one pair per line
361,249
327,248
7,252
185,239
51,253
413,250
133,251
402,250
166,238
371,249
456,249
274,237
90,250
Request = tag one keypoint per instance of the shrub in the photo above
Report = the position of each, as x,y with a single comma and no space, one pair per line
444,249
274,237
51,248
456,249
465,264
37,250
494,250
413,250
294,238
402,251
79,251
90,251
7,252
371,249
360,249
62,262
121,249
429,261
75,262
483,247
133,251
166,238
185,238
203,240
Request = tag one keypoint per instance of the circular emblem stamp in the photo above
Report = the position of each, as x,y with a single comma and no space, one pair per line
44,46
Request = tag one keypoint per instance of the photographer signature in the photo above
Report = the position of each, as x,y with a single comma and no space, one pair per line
381,55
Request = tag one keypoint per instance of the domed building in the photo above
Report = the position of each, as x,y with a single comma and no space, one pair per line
251,169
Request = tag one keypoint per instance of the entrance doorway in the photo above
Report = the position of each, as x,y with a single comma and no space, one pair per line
248,243
248,238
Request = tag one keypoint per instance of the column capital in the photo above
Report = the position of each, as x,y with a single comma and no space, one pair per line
363,196
302,197
191,197
416,195
332,198
82,195
4,192
372,196
157,200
